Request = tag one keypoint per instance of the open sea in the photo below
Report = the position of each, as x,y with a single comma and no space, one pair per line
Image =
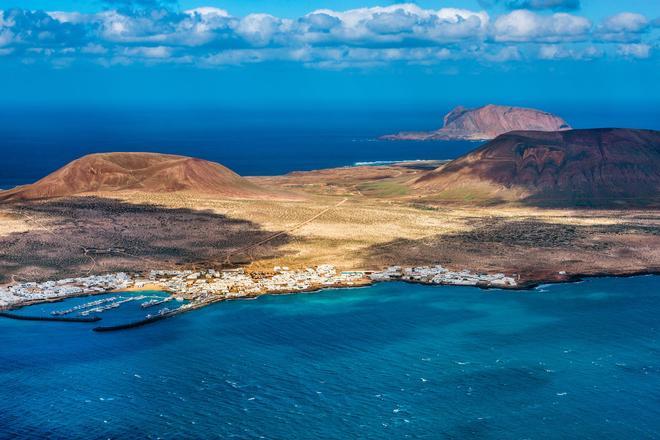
390,361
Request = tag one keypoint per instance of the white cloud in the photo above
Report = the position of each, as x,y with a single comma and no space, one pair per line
362,37
509,53
148,52
69,17
6,37
625,22
640,51
259,29
93,49
623,27
558,52
527,26
208,12
397,23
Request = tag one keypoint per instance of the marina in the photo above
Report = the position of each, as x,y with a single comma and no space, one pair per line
110,306
82,306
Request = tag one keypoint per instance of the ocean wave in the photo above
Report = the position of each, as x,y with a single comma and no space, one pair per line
387,162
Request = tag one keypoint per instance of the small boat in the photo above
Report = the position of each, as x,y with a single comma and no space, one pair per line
155,302
98,302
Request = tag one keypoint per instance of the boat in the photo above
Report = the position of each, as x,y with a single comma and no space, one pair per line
155,302
114,305
98,302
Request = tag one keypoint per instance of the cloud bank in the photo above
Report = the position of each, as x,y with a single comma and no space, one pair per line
324,38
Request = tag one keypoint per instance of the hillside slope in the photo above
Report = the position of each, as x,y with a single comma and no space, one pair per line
593,167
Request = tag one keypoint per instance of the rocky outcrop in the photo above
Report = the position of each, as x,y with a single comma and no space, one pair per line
485,123
585,167
143,172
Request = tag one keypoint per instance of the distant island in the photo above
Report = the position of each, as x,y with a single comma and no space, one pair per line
485,123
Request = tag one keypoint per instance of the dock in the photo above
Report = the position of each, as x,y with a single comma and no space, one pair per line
160,316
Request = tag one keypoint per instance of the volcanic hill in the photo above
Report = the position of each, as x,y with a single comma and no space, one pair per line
485,123
577,167
139,172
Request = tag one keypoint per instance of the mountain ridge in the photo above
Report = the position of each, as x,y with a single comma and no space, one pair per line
575,166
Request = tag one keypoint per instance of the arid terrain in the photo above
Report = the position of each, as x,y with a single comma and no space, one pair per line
350,221
363,218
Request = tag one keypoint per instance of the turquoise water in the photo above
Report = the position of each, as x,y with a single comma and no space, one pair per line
389,361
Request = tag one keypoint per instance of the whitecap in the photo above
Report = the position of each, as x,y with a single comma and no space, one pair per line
385,162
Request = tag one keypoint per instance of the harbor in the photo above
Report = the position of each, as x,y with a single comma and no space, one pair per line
190,290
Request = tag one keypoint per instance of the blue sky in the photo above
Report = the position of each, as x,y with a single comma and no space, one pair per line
343,52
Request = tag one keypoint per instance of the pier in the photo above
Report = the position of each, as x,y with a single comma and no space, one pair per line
83,306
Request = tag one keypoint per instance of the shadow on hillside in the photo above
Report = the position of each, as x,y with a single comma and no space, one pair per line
74,236
645,198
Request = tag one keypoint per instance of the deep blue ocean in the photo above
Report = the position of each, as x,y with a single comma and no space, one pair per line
34,141
385,362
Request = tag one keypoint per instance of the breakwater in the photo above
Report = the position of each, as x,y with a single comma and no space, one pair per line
140,323
49,318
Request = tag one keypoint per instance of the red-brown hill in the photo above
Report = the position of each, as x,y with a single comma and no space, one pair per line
590,167
143,172
487,122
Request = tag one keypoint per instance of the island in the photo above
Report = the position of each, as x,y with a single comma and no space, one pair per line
485,123
528,207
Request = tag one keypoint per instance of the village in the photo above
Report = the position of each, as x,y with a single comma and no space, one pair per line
440,275
210,285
